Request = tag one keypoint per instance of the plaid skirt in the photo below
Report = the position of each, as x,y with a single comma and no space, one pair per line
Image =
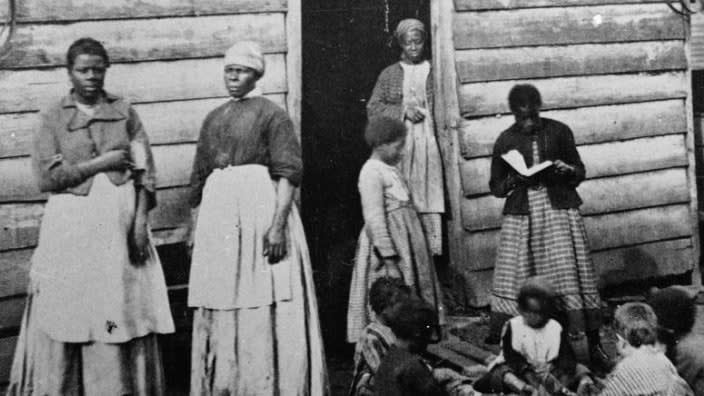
552,243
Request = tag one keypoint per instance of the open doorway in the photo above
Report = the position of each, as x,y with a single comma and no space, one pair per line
346,44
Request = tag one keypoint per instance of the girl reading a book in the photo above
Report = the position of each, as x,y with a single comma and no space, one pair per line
543,232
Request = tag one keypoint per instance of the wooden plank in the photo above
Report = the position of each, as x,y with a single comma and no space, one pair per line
482,247
14,272
146,39
11,311
553,26
174,164
559,61
645,261
29,90
7,351
19,222
294,63
477,99
165,123
73,10
589,124
690,143
482,5
601,160
606,195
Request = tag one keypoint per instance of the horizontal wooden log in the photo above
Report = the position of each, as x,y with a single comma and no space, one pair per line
575,60
483,5
19,222
165,123
146,39
14,271
606,195
481,246
29,90
589,124
72,10
552,26
7,351
11,311
645,261
477,99
601,160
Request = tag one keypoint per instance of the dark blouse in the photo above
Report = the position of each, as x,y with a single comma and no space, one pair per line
555,141
249,131
402,373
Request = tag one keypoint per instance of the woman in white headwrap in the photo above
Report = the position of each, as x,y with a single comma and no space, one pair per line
255,328
404,91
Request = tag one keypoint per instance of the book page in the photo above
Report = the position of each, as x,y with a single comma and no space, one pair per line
517,162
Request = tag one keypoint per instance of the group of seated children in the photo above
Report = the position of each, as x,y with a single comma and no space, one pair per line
536,356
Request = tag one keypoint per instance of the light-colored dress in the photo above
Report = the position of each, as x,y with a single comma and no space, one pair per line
392,228
92,313
399,86
255,328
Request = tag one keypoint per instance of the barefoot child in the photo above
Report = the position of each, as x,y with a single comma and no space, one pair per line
535,351
392,242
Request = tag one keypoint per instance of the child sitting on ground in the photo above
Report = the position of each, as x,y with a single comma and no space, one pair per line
536,354
377,337
676,311
644,369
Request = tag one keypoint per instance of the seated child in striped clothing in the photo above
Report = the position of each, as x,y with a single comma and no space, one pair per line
536,355
644,370
377,337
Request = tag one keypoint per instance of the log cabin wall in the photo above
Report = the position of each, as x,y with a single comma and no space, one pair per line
616,72
166,58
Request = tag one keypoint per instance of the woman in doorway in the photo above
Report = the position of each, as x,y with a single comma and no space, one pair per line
404,91
97,297
255,328
543,232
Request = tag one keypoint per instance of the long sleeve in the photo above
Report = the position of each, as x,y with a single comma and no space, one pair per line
387,96
147,177
503,178
373,348
371,190
52,171
284,149
572,158
202,165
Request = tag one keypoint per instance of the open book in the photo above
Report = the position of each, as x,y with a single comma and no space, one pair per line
517,162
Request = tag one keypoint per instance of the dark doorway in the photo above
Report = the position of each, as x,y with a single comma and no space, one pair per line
346,43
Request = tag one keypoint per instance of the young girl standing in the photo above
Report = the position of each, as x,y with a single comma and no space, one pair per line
392,242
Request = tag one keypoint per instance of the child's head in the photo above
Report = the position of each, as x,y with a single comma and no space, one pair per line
385,293
413,321
636,325
387,137
535,301
675,309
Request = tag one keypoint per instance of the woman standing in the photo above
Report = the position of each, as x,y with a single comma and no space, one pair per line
97,297
543,232
255,328
404,91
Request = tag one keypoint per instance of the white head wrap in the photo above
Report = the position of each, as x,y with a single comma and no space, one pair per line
246,53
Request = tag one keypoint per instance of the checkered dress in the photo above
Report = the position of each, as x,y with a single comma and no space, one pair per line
553,243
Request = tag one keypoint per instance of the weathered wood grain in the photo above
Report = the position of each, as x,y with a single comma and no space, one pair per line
589,124
294,63
11,313
173,210
649,260
146,39
574,60
606,195
481,5
14,271
7,351
477,99
72,10
165,123
29,90
602,159
553,26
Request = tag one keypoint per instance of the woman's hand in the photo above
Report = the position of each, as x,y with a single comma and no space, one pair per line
563,168
275,244
139,239
414,114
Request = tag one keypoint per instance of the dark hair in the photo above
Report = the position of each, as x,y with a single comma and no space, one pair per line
539,289
636,323
413,319
387,291
675,309
382,130
524,95
86,45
